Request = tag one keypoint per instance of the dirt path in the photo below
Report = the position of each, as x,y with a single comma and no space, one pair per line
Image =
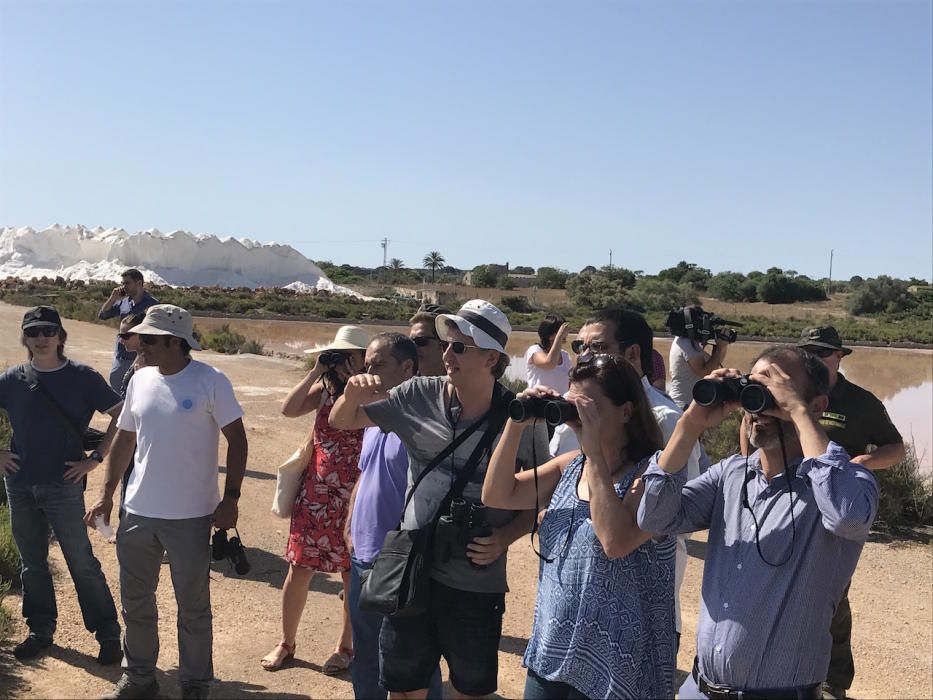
891,596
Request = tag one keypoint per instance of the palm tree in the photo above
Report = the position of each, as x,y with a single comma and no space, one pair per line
396,266
432,261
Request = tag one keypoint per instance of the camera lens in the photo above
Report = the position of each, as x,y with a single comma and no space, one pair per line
706,392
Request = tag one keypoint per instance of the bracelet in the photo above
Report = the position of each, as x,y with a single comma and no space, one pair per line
232,493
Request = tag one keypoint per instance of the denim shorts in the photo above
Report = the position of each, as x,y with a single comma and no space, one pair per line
462,626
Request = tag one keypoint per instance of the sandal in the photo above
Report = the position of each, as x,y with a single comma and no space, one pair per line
269,664
338,662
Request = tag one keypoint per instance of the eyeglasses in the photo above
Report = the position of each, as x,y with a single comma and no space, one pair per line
148,339
458,347
423,340
44,331
822,353
579,347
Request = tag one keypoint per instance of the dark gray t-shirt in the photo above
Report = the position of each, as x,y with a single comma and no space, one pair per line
40,438
417,411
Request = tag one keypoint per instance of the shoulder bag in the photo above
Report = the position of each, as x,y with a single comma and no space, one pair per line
398,585
89,438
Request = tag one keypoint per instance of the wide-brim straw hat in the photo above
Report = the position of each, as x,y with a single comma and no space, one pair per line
347,338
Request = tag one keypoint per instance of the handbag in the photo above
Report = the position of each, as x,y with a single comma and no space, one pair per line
90,438
398,584
288,478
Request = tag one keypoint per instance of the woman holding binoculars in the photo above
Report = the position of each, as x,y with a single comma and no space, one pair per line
315,538
604,614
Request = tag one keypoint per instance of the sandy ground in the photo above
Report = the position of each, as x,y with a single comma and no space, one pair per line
891,596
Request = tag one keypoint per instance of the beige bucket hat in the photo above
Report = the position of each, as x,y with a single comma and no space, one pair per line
168,319
347,338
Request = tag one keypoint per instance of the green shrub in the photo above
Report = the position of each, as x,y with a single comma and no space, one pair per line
230,342
9,556
514,385
723,440
906,495
519,304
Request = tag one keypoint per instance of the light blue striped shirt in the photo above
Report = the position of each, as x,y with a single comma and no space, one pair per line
762,626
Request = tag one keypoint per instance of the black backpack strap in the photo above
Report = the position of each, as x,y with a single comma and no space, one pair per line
71,425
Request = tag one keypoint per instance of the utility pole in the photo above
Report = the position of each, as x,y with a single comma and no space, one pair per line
385,244
610,259
829,284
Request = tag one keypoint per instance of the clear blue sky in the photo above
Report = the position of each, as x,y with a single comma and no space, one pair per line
738,135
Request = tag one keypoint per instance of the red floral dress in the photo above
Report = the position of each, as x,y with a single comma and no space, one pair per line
315,538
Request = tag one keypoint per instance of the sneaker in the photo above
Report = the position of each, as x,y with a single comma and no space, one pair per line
127,689
31,647
111,652
190,691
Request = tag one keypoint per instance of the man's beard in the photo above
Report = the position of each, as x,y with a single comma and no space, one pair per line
765,435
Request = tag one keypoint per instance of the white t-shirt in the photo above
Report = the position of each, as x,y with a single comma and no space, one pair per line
682,375
177,421
557,379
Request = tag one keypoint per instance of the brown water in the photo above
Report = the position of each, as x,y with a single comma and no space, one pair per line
903,379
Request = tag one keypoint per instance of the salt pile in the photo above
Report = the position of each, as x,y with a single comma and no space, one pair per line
178,258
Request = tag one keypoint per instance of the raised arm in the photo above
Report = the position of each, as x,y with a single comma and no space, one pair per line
361,390
551,358
306,395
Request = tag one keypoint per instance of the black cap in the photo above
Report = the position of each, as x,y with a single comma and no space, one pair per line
42,316
822,337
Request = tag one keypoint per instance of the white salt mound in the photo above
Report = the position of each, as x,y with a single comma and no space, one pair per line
179,258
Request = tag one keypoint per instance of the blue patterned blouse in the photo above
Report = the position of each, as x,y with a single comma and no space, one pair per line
603,626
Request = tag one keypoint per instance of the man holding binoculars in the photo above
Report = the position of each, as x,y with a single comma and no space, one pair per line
463,621
786,523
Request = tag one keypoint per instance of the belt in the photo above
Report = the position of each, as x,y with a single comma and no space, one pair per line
723,692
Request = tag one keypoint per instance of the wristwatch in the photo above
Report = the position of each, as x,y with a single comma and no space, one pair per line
96,456
233,493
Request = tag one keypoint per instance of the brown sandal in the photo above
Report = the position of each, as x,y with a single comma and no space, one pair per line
270,665
338,662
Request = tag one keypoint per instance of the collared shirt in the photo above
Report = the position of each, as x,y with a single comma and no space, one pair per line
122,308
762,626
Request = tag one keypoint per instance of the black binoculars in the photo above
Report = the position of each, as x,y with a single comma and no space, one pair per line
553,410
455,531
753,395
330,358
232,549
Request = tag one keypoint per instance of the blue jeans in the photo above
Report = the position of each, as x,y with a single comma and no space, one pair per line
32,510
365,667
538,688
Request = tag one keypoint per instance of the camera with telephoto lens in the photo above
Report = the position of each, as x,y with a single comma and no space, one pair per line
754,396
232,549
554,410
329,358
699,325
457,529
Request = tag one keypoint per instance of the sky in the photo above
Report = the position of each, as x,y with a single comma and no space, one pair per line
735,135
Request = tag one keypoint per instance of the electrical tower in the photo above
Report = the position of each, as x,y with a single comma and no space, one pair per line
385,244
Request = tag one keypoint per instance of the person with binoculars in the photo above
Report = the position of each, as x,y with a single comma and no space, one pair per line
604,614
460,414
316,532
786,523
175,410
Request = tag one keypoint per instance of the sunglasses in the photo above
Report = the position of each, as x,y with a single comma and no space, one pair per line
125,336
458,347
147,339
44,331
423,340
822,353
597,360
579,347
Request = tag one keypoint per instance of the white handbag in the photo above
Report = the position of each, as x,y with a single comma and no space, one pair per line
288,480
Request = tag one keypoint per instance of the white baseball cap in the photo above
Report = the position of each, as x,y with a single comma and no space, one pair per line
484,323
168,319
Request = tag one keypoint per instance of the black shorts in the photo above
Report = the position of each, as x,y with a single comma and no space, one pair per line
461,626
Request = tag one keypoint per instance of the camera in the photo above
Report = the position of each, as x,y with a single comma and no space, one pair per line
554,410
699,325
457,529
232,549
753,395
329,358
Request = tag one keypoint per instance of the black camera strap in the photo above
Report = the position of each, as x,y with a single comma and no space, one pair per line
70,424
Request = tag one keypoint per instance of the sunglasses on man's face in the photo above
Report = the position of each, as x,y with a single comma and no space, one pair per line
147,339
458,347
125,336
597,346
820,352
424,340
44,331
